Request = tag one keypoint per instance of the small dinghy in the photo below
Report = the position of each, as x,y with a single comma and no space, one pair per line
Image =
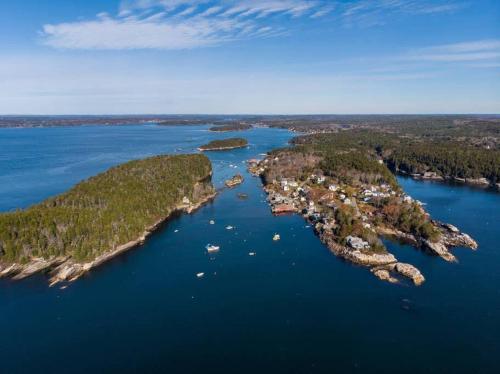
212,248
276,237
200,275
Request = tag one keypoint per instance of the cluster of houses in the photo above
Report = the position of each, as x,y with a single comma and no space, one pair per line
377,192
287,195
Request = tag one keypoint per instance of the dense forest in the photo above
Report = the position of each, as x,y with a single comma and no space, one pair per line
448,158
346,157
105,211
224,144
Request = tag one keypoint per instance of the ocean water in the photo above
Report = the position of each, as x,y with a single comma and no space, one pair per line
293,307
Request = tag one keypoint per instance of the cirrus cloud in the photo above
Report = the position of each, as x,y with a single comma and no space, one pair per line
182,24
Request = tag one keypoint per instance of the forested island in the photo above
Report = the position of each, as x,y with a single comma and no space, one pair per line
224,144
340,184
101,217
230,127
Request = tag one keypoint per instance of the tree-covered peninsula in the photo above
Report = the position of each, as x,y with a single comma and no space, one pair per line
102,216
340,184
224,144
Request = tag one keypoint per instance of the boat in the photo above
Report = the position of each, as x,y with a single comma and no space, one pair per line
200,275
229,227
212,248
276,237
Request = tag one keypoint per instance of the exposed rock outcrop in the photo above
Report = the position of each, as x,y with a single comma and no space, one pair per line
411,272
234,181
384,274
439,249
357,256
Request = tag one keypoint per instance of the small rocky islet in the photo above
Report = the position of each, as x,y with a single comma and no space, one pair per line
234,181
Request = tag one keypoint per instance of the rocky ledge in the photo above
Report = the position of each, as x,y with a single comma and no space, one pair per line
450,236
407,270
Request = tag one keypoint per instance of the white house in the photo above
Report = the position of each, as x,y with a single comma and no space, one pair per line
357,243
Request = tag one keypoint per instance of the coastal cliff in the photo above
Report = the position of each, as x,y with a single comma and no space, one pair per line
102,217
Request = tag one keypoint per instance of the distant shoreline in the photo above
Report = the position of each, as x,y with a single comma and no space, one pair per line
292,121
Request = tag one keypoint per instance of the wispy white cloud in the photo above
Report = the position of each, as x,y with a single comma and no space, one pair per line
474,46
179,24
187,11
175,24
115,34
454,57
210,11
323,11
478,50
376,12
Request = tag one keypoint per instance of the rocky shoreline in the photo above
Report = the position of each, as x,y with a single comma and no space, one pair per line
433,176
65,269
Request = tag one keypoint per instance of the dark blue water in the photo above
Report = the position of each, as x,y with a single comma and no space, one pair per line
291,308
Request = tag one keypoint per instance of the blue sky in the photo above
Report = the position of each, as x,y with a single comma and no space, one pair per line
260,56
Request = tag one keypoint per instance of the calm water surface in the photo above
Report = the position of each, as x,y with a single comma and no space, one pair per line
291,308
